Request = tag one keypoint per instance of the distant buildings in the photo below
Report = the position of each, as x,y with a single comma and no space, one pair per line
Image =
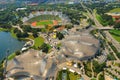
116,16
20,9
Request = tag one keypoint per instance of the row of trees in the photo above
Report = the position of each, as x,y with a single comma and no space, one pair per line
6,26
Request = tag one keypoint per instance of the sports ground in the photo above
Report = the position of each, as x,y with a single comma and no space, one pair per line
44,20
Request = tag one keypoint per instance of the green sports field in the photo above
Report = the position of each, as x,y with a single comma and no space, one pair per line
48,22
43,17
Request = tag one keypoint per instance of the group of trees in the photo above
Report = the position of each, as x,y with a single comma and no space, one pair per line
103,8
117,25
26,29
6,26
98,67
69,26
107,20
59,35
20,34
1,70
45,47
12,17
8,17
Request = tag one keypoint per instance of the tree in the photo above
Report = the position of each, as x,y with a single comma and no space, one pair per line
17,52
59,35
59,76
110,57
35,34
101,76
22,35
1,70
91,21
98,67
26,28
7,26
117,25
16,30
118,54
69,26
45,48
108,19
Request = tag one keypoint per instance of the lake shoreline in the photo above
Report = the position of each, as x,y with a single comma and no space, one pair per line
9,42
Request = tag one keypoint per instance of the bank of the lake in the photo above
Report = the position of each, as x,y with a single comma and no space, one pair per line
7,42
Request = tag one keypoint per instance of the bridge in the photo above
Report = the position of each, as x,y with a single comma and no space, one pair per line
105,28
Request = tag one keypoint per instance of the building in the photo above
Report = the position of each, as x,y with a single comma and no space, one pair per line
116,16
80,45
26,66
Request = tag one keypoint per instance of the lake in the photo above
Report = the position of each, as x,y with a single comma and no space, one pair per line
7,42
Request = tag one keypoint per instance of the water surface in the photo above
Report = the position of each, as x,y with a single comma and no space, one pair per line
7,42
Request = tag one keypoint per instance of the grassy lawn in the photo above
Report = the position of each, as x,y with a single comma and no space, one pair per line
115,31
2,29
13,34
100,19
69,76
38,41
11,56
31,37
116,64
115,34
116,37
72,76
43,17
115,10
44,22
93,79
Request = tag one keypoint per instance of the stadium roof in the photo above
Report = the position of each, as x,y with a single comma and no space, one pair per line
80,44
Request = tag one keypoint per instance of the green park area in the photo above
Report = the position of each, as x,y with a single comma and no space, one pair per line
87,66
38,42
115,10
74,76
2,29
67,75
43,17
101,20
12,33
115,34
104,19
11,56
46,22
93,79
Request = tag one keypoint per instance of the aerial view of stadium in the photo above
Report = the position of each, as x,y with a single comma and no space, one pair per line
59,39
